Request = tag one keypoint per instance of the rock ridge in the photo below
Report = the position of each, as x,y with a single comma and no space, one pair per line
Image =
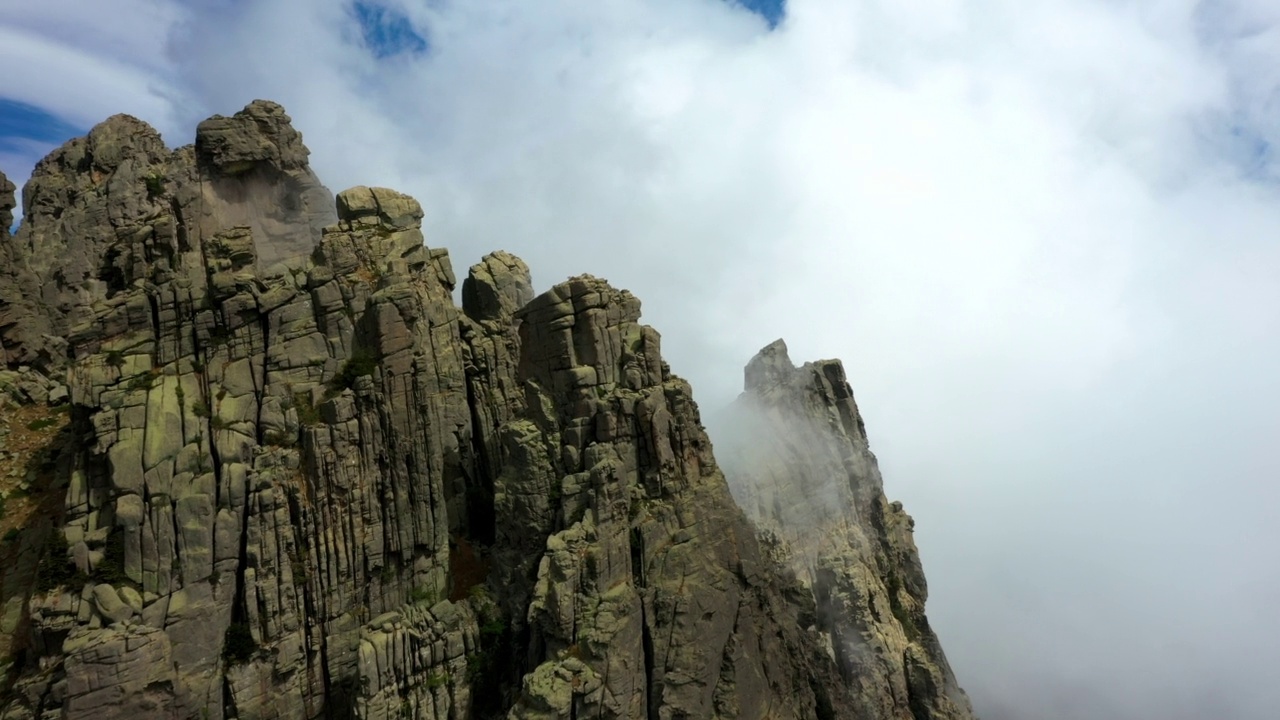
271,470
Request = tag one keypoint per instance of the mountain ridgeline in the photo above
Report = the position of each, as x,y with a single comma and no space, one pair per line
256,463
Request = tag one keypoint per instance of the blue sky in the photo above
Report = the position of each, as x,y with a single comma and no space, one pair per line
770,10
22,122
385,31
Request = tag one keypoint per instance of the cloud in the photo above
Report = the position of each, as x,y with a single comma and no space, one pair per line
1042,237
82,63
72,64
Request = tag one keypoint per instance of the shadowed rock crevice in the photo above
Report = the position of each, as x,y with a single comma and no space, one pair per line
301,483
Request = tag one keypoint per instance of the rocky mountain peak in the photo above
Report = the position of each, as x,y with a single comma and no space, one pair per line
378,207
497,287
800,465
271,470
260,135
117,210
770,367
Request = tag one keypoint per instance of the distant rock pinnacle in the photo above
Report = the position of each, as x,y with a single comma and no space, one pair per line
800,465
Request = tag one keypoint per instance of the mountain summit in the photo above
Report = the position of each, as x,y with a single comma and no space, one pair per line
260,465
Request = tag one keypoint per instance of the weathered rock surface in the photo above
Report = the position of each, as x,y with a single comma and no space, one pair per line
24,325
652,598
7,204
263,446
296,481
801,467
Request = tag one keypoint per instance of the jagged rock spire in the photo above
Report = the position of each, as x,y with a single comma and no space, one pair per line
771,366
798,462
260,134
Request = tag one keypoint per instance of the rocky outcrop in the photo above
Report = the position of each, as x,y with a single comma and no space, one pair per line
24,326
800,465
117,208
254,521
296,481
651,596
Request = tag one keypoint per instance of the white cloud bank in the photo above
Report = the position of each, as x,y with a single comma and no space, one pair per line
1044,237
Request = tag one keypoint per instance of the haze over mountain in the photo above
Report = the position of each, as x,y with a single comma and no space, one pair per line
1043,239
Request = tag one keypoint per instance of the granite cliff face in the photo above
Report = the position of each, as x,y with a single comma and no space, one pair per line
800,465
259,465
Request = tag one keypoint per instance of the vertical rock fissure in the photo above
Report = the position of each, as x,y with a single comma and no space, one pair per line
652,690
180,225
155,319
260,391
652,703
481,513
228,698
175,547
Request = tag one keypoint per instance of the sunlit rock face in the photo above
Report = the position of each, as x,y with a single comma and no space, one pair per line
264,467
